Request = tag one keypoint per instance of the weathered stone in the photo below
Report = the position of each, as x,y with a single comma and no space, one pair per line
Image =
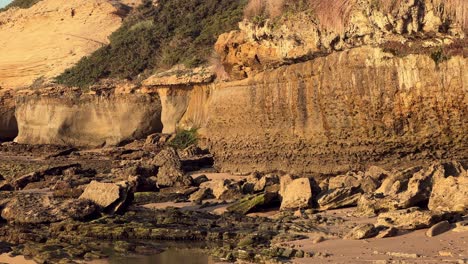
285,180
170,169
349,180
402,177
250,203
36,208
387,232
201,194
438,229
297,195
377,173
409,219
266,181
362,232
338,198
109,196
224,189
450,189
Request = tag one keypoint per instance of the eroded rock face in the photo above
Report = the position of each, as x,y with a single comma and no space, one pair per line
450,189
72,118
333,114
259,46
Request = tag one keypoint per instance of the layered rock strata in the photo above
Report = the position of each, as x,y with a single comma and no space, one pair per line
331,114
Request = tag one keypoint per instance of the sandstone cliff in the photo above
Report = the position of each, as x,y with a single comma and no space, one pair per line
46,39
69,117
332,114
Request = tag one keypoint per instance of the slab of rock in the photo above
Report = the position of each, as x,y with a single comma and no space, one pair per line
399,179
297,195
37,208
362,232
438,229
170,169
450,189
265,181
338,198
201,194
409,219
108,196
252,202
224,189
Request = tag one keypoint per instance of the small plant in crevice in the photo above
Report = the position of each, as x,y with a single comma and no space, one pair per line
439,56
184,138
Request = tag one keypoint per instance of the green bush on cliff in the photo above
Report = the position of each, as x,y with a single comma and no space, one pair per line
184,138
20,3
158,37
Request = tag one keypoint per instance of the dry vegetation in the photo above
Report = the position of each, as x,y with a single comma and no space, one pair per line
334,14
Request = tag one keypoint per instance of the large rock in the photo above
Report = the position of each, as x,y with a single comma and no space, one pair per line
297,195
224,189
409,219
67,117
36,208
338,198
450,189
362,231
252,202
109,196
170,169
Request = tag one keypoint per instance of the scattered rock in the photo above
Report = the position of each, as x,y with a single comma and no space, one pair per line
37,208
438,229
109,196
338,198
318,240
170,169
297,195
224,189
409,219
252,202
387,232
265,181
201,194
402,255
362,232
450,190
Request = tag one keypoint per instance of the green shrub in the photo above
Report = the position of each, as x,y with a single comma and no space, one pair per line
158,37
20,3
184,139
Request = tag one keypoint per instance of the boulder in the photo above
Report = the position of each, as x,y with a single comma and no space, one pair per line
285,180
338,198
398,179
201,194
349,180
297,195
109,196
265,181
224,189
409,219
252,202
362,231
461,226
450,189
387,232
438,229
38,208
377,173
170,169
